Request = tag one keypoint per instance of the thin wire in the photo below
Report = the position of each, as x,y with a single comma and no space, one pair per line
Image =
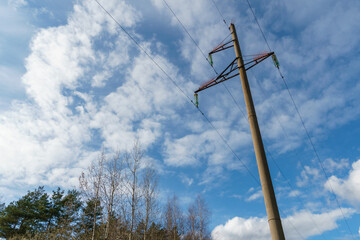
236,103
198,47
182,25
273,159
187,32
303,124
290,185
258,25
293,226
179,88
282,173
219,13
271,108
314,149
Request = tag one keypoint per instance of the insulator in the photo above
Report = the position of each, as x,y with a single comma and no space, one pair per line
196,100
211,60
275,60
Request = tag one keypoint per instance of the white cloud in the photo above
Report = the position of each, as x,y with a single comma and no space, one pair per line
332,165
348,188
193,149
294,193
17,3
307,174
187,180
258,228
42,140
254,196
139,106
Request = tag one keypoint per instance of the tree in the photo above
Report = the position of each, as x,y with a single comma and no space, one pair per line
37,216
156,232
26,216
64,216
133,159
197,220
192,223
113,178
90,220
149,188
173,219
90,184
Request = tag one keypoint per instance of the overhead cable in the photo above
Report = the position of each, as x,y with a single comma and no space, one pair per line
179,88
303,125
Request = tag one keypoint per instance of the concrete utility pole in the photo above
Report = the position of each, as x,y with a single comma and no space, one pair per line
272,210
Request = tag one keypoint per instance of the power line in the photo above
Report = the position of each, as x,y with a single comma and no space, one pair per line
315,151
188,33
179,88
222,16
262,32
290,185
303,124
229,92
273,159
283,175
198,47
184,28
182,25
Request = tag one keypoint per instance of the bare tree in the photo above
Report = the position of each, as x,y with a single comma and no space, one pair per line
149,188
192,223
133,164
113,177
173,219
197,220
90,184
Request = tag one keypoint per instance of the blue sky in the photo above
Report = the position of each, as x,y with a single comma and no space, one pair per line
71,82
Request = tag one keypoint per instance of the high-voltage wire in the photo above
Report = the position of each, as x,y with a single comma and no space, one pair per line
229,92
303,125
182,91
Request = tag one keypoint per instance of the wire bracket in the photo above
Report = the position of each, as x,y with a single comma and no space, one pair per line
228,72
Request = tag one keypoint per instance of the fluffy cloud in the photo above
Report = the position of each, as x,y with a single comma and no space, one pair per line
348,188
308,174
17,3
254,196
332,165
139,106
43,140
299,223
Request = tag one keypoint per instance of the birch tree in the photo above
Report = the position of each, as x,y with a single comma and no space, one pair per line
149,188
111,188
133,159
197,220
173,219
90,184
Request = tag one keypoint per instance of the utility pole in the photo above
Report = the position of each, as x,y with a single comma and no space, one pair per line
272,210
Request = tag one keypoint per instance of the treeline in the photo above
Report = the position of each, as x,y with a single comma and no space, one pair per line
117,199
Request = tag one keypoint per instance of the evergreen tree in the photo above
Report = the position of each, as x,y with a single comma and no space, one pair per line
35,215
87,219
156,231
26,216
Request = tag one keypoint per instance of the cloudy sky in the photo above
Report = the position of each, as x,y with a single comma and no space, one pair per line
72,82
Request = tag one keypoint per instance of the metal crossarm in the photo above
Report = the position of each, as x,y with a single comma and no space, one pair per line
258,59
223,76
221,47
226,74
